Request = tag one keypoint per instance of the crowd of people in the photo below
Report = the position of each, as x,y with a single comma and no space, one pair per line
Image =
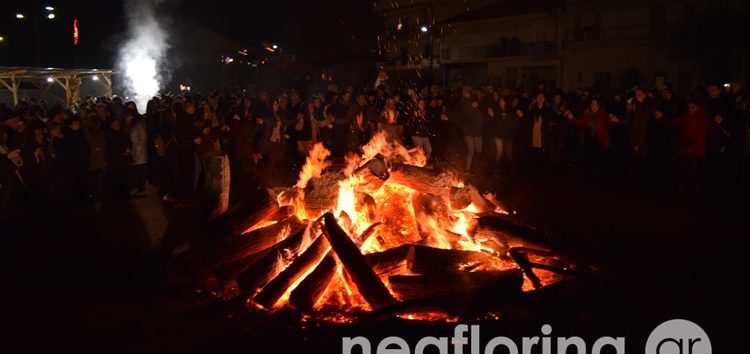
104,148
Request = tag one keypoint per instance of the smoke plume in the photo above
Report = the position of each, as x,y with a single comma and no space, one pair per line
142,55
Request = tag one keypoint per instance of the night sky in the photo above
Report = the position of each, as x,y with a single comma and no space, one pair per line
310,28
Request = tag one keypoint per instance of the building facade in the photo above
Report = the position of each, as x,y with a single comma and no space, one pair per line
606,44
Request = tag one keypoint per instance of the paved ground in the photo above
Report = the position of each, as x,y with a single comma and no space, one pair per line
93,282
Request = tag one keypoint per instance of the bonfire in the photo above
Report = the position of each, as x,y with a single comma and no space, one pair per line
382,233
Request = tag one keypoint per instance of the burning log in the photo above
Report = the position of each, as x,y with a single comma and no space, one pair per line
260,239
269,263
309,291
389,262
273,291
368,283
244,215
421,179
373,175
452,283
428,260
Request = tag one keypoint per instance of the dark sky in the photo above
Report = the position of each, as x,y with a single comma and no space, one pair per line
333,28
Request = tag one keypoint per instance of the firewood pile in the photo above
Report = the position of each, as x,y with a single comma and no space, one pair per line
375,235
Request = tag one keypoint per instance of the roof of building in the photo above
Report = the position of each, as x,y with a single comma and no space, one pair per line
506,8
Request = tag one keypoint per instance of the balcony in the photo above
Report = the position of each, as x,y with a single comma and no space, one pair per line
606,36
536,50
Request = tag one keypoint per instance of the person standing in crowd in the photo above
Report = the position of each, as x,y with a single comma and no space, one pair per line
558,130
38,171
93,129
420,133
471,124
119,160
641,110
594,124
390,122
536,129
341,123
186,140
136,130
694,130
502,123
11,182
361,117
78,157
305,128
263,119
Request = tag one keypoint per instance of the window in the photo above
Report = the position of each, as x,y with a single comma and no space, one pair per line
603,80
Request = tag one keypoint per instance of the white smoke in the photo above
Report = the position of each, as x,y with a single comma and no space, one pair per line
142,56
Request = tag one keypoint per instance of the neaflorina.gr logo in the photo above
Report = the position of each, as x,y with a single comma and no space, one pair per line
467,340
678,337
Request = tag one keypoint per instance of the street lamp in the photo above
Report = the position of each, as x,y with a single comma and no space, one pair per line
2,38
424,29
50,79
49,8
275,46
20,16
95,78
51,16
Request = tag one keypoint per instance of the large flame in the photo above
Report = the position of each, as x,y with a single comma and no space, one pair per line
405,216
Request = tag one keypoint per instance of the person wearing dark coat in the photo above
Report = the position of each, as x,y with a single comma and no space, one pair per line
38,170
503,125
185,136
118,160
77,160
472,124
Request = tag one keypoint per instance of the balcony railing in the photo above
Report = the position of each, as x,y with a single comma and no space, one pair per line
537,50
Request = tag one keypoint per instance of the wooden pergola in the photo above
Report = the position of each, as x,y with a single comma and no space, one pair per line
43,79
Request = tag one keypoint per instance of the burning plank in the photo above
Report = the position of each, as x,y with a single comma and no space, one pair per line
452,283
421,179
368,283
428,260
269,263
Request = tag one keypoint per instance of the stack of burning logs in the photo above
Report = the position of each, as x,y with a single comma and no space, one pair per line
276,255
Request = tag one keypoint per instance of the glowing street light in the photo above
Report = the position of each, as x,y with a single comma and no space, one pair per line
275,46
51,16
95,78
424,29
49,8
1,38
49,79
20,16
